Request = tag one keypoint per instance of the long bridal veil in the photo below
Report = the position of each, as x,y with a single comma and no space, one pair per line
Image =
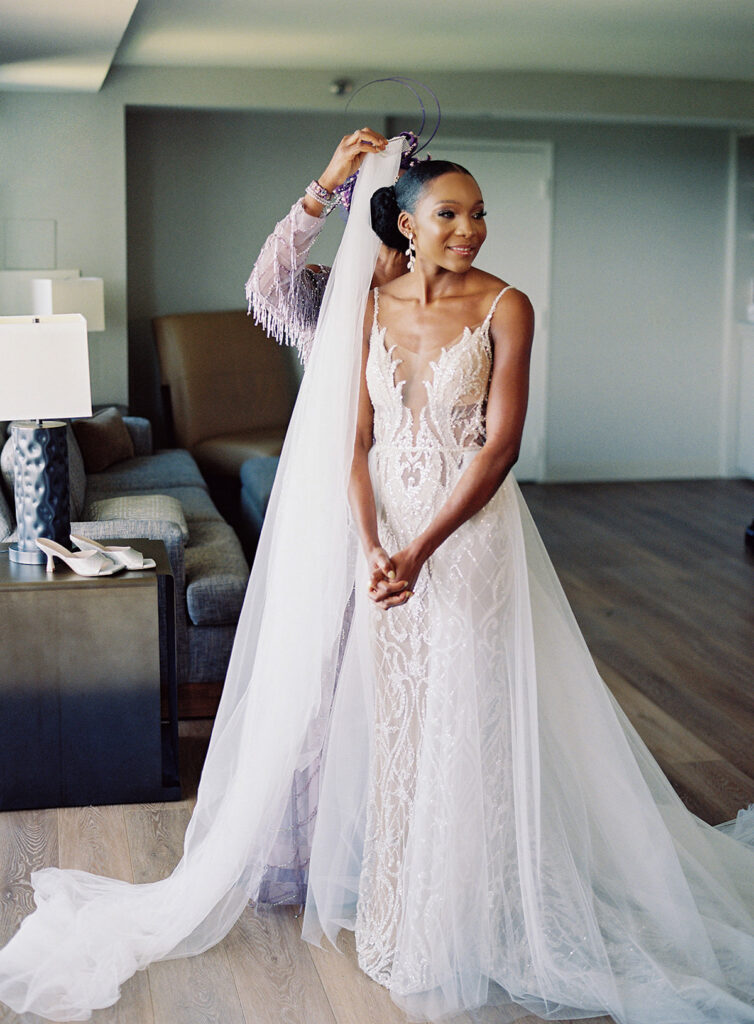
89,933
566,875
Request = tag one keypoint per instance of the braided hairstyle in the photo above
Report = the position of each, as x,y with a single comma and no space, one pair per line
387,202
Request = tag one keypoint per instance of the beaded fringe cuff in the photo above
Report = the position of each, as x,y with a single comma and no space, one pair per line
283,294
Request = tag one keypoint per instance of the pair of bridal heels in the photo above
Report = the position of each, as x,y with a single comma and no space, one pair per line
94,559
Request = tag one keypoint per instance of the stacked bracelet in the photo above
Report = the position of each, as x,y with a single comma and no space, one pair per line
321,195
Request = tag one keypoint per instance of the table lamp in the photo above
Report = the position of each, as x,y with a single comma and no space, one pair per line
85,295
44,379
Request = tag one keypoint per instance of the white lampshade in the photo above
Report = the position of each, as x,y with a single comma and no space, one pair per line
85,295
45,367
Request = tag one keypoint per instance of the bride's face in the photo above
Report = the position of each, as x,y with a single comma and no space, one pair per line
448,222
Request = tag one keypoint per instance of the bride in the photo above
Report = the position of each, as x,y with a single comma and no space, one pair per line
489,822
438,430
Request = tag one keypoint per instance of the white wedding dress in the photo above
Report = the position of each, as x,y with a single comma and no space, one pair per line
420,451
485,817
511,837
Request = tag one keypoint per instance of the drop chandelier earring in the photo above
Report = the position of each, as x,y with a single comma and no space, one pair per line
411,253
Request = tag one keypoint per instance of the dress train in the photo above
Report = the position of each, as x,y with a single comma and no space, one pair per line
577,884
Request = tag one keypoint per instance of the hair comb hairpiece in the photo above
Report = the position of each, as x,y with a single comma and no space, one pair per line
411,147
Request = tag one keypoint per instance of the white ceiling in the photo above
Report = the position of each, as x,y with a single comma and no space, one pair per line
712,39
60,44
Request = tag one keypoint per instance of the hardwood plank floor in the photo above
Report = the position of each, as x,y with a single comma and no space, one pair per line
95,839
662,587
271,972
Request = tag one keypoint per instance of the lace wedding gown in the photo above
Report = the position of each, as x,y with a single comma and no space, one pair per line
420,451
516,841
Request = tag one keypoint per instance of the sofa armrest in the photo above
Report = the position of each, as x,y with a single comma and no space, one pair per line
140,430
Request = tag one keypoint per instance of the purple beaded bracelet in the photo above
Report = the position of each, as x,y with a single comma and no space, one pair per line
321,195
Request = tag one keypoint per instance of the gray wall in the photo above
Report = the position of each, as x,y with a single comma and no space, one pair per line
637,347
638,297
63,158
204,189
638,265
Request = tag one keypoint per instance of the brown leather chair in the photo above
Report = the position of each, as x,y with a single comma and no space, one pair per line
231,388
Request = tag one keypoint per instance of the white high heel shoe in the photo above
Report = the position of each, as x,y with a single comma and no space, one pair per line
124,556
83,563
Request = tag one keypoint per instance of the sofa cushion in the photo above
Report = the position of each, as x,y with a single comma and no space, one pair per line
216,575
149,473
196,503
140,430
257,478
76,475
159,507
208,652
103,439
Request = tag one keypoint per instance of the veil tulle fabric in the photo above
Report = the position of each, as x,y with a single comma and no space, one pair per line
615,898
89,933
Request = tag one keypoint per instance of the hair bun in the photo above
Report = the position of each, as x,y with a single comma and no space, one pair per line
384,210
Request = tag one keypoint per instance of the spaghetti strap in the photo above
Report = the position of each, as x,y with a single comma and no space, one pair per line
375,325
493,307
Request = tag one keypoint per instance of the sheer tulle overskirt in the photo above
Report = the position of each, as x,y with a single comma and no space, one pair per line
549,863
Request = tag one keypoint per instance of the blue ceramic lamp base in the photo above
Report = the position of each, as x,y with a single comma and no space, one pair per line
41,488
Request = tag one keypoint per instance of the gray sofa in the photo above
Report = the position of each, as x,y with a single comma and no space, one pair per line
209,567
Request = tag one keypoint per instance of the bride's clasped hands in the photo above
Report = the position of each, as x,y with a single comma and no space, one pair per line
392,579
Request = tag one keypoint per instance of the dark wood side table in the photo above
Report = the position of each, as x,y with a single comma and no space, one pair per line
80,680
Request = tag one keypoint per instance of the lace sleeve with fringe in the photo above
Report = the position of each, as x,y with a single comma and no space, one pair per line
284,294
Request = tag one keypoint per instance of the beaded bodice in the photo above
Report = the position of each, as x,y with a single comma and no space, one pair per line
430,403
